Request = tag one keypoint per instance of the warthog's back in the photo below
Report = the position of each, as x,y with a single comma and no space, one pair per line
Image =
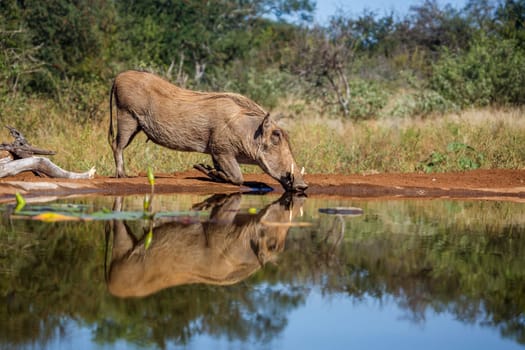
183,119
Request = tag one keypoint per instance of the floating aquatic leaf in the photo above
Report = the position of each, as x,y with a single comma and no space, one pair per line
115,215
67,208
54,217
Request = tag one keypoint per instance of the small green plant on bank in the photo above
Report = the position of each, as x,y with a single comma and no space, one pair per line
458,156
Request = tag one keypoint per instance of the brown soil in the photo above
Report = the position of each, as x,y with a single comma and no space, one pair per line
496,184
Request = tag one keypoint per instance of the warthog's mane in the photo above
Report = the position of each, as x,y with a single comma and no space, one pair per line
249,107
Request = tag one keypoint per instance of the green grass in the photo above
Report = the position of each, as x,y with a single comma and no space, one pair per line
484,138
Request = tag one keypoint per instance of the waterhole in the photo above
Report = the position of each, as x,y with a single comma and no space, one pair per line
262,271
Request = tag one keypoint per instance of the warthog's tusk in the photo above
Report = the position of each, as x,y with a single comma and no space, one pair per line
301,211
290,218
302,171
291,172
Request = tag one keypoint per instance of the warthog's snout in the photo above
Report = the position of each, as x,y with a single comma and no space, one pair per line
293,184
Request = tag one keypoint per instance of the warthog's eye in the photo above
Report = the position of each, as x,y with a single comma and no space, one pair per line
276,136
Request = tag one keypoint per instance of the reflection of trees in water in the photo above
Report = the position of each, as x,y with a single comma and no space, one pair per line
50,282
472,272
243,312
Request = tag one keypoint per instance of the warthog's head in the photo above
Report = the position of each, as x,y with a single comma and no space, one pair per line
275,156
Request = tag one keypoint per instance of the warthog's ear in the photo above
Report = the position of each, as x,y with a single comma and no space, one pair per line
271,134
267,123
265,129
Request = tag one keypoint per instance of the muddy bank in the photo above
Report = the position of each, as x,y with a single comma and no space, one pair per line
496,184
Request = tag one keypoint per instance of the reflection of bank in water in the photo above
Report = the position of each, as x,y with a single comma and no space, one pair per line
223,250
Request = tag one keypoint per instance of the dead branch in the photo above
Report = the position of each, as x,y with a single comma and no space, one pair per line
20,148
41,165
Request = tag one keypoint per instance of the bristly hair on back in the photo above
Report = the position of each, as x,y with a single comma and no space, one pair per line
249,106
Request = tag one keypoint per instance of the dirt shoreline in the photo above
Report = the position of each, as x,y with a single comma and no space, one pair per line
496,184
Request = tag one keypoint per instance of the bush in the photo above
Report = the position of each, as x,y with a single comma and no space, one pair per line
422,103
457,156
265,87
367,98
489,72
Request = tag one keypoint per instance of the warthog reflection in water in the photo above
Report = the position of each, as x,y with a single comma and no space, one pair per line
224,250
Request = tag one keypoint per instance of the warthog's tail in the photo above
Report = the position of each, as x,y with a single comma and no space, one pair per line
111,132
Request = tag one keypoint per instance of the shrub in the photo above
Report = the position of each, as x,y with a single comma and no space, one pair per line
422,103
367,98
265,87
457,156
489,72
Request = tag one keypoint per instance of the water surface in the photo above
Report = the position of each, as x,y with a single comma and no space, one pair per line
237,274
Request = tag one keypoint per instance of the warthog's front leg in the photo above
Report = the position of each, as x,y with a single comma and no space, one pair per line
226,170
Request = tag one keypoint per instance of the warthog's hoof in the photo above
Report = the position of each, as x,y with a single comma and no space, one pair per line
203,168
209,171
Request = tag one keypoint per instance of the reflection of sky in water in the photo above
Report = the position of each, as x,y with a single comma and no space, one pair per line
340,322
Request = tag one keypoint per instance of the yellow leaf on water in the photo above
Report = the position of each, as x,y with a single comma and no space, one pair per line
53,217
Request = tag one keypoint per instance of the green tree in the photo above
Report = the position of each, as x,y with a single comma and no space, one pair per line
490,71
510,15
18,55
70,33
197,35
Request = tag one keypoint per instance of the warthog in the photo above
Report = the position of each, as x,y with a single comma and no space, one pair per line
224,250
230,127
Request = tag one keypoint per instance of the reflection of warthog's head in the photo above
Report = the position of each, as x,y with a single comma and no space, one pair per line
224,250
270,236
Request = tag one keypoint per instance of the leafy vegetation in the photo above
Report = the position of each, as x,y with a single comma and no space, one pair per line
58,58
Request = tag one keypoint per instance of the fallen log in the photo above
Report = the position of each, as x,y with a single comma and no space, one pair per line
21,158
41,165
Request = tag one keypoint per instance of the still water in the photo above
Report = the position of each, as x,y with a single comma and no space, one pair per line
263,272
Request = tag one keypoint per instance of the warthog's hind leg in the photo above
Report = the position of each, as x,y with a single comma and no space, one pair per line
127,128
226,170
